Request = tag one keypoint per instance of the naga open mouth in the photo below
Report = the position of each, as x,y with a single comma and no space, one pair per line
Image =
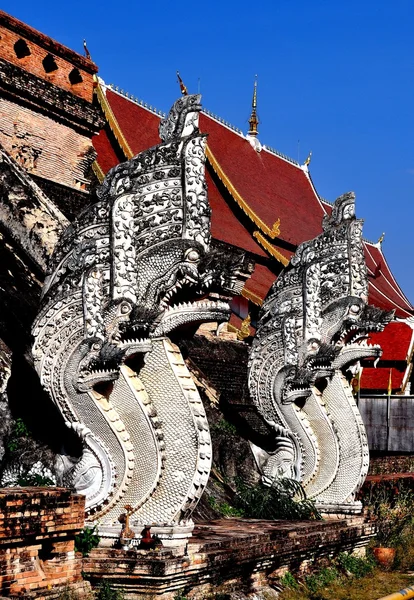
180,306
211,308
352,339
180,291
354,346
295,392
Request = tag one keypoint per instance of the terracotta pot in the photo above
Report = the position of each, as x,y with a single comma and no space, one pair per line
384,556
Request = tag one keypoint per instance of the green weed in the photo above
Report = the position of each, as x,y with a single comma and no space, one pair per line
289,581
86,540
18,431
224,426
284,499
322,579
225,509
107,592
355,565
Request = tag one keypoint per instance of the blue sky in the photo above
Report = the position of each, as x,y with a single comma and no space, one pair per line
337,76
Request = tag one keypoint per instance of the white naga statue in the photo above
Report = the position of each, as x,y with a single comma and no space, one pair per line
311,334
135,266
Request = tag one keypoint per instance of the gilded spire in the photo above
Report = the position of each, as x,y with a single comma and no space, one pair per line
254,121
183,88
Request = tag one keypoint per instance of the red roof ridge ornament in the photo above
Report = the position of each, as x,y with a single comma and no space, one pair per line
183,87
380,240
305,165
254,122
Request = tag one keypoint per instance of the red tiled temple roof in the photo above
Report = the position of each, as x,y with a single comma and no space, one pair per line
260,281
378,379
273,188
223,222
384,290
396,341
107,157
138,124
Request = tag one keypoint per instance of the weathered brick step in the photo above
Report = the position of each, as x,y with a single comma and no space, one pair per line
224,551
242,531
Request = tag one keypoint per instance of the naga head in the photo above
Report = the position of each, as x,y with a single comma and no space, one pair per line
141,258
336,289
346,317
160,221
319,305
351,323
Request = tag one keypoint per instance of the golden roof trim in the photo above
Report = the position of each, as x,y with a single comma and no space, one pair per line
112,122
232,328
406,377
252,297
96,168
272,232
244,331
270,248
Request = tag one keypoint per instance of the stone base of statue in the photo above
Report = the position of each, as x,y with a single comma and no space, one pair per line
341,510
166,535
245,556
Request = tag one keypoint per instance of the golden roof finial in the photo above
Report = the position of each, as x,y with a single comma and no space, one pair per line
381,239
254,121
183,88
307,161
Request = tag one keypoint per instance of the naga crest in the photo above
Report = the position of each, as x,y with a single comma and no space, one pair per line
135,266
312,332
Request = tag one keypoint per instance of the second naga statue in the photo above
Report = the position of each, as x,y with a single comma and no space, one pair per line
312,332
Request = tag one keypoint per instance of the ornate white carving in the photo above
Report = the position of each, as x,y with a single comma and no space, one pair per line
311,331
119,276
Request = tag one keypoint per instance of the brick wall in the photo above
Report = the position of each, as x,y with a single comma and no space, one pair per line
44,146
384,464
49,99
37,532
39,47
218,359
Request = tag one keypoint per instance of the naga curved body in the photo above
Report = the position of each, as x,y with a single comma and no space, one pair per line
311,335
134,267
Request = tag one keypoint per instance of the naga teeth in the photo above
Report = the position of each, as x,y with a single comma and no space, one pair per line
376,362
135,342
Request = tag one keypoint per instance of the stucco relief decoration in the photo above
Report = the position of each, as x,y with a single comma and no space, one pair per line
135,266
312,333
